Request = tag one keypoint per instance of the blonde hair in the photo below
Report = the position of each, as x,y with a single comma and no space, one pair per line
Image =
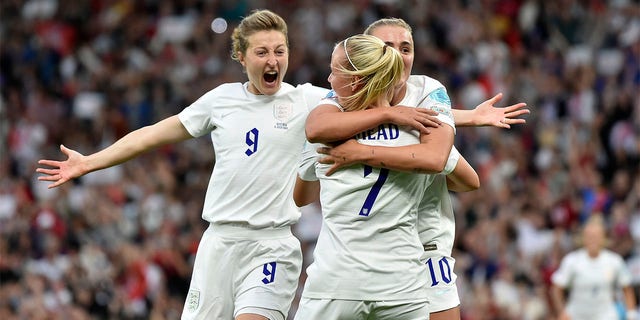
396,22
377,67
258,20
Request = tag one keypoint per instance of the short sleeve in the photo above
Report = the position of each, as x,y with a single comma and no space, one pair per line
308,160
562,276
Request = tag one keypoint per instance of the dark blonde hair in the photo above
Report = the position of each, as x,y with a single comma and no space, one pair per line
396,22
377,67
258,20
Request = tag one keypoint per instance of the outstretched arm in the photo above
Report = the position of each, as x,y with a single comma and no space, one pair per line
169,130
326,123
485,114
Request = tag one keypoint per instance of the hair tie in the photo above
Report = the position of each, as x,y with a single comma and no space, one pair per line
346,53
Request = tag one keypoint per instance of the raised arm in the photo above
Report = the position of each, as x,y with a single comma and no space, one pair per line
169,130
326,123
485,114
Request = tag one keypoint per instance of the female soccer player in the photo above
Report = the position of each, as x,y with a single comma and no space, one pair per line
248,262
366,260
592,274
436,222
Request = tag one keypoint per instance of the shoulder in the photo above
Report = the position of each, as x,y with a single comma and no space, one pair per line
312,90
233,89
611,255
427,83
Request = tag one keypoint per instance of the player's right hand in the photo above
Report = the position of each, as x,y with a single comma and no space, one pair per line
61,171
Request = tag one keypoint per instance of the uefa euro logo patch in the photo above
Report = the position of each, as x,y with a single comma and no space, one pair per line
193,300
282,114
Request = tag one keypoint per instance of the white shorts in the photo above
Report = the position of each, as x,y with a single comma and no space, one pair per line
442,291
238,268
330,309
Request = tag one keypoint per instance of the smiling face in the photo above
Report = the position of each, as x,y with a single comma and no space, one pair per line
400,39
265,61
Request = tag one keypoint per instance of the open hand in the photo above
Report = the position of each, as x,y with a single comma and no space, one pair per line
62,171
488,115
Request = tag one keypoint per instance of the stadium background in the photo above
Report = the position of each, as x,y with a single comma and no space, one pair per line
119,244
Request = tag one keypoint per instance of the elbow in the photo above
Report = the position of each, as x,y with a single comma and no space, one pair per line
312,133
475,185
435,164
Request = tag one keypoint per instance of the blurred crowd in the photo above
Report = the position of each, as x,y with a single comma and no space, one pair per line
119,243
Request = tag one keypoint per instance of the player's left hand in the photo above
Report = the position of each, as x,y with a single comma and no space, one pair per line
489,115
340,155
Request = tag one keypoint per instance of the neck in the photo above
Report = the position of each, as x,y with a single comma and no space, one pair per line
398,95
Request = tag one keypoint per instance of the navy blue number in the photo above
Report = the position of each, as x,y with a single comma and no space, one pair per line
375,189
269,270
445,271
252,141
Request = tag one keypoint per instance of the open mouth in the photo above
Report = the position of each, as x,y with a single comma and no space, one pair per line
270,77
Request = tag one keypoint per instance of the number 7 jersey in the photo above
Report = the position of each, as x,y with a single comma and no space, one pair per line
368,247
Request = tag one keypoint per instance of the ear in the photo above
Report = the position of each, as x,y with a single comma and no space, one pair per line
355,83
241,59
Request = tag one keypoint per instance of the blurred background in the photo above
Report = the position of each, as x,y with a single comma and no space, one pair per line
120,243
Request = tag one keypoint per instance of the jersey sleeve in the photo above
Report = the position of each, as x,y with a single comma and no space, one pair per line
562,276
313,94
198,117
308,159
438,100
624,277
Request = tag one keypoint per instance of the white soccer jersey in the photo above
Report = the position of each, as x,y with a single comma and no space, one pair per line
368,247
257,140
591,283
436,221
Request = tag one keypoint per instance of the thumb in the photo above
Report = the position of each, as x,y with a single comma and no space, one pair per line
64,149
496,98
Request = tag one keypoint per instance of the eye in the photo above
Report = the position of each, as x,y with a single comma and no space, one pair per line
406,50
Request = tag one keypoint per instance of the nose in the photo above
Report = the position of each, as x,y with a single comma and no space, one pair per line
330,77
271,60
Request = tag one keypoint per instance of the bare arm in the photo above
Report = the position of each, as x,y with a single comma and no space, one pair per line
557,301
305,192
485,114
326,123
630,302
463,178
167,131
430,156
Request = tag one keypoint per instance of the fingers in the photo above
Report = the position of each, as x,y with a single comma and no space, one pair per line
323,150
516,113
50,163
516,106
47,171
427,111
332,170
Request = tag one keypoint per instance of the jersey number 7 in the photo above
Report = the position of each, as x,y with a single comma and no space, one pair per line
375,189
